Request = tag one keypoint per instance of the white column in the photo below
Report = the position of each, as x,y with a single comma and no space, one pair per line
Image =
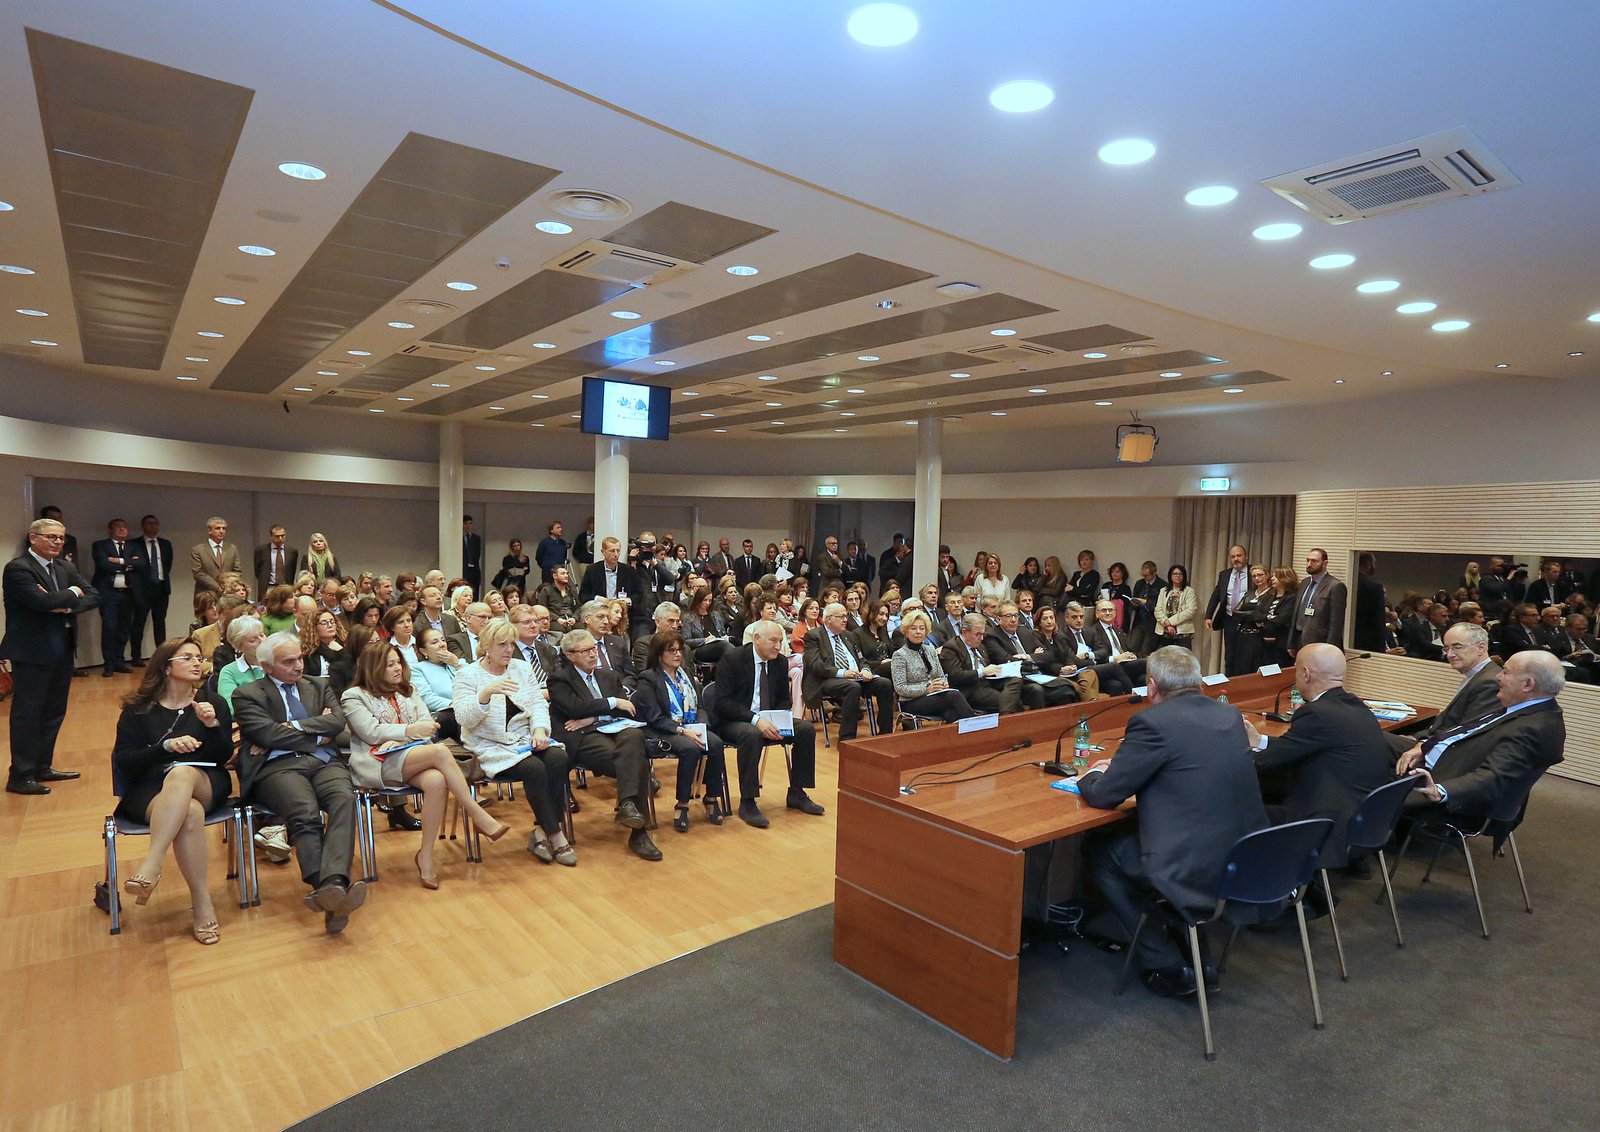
610,491
929,501
452,497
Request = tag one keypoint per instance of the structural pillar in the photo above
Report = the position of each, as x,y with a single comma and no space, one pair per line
452,497
610,491
929,501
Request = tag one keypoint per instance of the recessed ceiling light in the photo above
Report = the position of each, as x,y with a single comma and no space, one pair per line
1387,373
1338,381
776,422
1038,389
195,358
1233,389
1282,231
625,314
841,430
359,353
460,285
484,369
1570,354
961,375
1172,373
665,362
1378,286
574,416
15,270
767,377
855,390
847,414
405,398
774,404
1329,262
5,206
300,171
1094,354
42,342
690,393
1021,96
1450,324
327,373
304,389
866,357
208,334
496,408
1003,332
374,410
181,377
31,313
541,396
758,337
1127,151
1595,317
554,227
404,325
1103,404
1502,365
1420,307
908,422
227,300
439,384
256,249
997,413
544,345
1208,196
719,430
708,414
882,25
743,269
537,424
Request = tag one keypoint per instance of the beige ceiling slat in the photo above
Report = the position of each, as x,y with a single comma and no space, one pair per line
138,154
1088,338
685,232
430,197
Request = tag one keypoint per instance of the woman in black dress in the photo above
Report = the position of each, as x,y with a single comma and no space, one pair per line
874,642
667,698
514,568
1030,578
1251,614
168,768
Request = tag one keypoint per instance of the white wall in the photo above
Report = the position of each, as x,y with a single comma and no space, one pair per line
1126,530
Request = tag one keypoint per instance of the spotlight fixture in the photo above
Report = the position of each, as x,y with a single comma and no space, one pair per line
1136,442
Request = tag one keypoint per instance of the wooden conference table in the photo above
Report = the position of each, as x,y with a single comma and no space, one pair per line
928,887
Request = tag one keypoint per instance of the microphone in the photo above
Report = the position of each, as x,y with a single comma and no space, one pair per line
1275,715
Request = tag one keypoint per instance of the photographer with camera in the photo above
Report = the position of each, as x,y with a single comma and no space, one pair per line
1504,585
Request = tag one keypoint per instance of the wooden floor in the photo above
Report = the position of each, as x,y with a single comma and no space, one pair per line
150,1030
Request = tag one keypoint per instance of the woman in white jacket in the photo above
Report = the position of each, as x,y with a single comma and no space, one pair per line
500,707
384,711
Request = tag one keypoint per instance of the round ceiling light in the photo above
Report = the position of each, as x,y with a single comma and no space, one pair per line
461,285
1378,286
1281,231
31,313
544,345
1127,151
1330,262
743,269
1104,404
404,325
1451,324
628,315
1420,307
1021,96
882,25
256,249
300,171
1095,354
553,227
1209,196
208,333
758,337
1003,332
227,300
1233,389
42,342
15,270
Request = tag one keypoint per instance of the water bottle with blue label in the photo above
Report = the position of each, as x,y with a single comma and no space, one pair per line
1081,743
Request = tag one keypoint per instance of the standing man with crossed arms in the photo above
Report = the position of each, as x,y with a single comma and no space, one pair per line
1233,584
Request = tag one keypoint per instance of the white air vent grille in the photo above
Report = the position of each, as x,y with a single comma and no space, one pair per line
617,264
1440,167
442,351
1011,352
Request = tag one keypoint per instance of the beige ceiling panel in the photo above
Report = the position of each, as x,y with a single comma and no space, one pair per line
685,232
1087,338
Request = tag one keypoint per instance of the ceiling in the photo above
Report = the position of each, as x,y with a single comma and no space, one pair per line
142,145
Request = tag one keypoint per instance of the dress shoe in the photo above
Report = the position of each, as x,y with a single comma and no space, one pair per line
137,662
540,848
105,674
1170,982
799,800
124,668
429,880
639,841
628,814
26,786
751,814
51,774
680,819
402,818
566,855
1213,978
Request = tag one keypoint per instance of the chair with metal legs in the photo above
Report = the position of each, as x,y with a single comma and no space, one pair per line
819,716
365,836
507,778
228,815
1369,830
1273,866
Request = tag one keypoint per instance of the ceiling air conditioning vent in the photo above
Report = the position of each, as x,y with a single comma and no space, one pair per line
617,264
442,351
1439,167
1011,352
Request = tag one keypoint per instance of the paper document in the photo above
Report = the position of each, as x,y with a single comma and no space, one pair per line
617,726
698,730
1041,678
1008,669
781,718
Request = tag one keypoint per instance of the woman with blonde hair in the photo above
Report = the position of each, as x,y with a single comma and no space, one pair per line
319,558
391,733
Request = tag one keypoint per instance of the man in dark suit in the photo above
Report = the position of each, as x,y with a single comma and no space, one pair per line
465,643
859,566
1550,588
829,566
611,578
70,550
1111,647
1466,648
1503,585
899,572
1006,640
1465,772
888,560
1519,632
752,679
1423,635
116,560
1187,757
1146,594
43,596
530,621
950,575
1333,755
276,562
582,690
152,588
1233,585
832,669
970,671
747,567
612,656
1366,630
721,562
1078,645
668,615
214,556
1318,605
472,556
947,621
1579,651
290,763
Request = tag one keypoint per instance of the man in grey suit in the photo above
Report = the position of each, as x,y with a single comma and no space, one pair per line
1466,649
290,763
1318,605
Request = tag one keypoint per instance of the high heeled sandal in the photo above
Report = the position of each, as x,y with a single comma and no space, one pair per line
428,882
208,933
714,813
498,832
680,819
139,888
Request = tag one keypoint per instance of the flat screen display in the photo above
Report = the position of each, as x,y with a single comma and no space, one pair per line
625,408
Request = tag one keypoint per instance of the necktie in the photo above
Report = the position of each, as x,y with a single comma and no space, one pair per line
605,656
216,552
841,653
55,576
594,685
761,684
1235,590
1016,643
977,664
154,555
1111,635
118,545
1432,746
277,566
297,709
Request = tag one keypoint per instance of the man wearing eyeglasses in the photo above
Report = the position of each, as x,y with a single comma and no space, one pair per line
1466,649
43,595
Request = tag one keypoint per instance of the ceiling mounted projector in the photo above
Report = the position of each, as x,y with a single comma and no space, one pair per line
1136,443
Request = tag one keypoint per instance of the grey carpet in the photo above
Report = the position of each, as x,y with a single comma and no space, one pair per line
1453,1032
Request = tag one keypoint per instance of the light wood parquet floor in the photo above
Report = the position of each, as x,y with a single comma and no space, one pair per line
151,1030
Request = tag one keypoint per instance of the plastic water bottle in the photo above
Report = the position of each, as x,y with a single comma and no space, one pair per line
1080,745
1222,699
1296,700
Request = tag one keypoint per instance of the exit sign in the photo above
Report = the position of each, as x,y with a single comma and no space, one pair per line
1214,483
827,490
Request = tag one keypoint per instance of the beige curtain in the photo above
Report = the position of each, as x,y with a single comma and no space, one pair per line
802,520
1207,526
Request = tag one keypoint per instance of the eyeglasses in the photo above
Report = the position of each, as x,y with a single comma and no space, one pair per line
1457,648
194,656
585,651
52,538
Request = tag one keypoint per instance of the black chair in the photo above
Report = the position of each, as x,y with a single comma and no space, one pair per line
1369,830
1264,869
1499,824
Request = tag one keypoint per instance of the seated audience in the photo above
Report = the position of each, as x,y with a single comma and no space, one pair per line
972,674
397,624
668,699
919,680
435,674
834,671
244,637
560,597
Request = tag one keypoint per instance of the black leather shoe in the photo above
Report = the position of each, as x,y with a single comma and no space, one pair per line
799,800
1213,978
639,841
402,818
137,662
714,812
680,819
124,668
1170,982
26,786
751,814
106,674
628,814
54,775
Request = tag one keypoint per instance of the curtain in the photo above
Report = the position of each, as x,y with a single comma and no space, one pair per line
802,520
1207,526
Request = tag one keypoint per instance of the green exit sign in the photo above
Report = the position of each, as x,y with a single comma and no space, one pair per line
1214,483
827,490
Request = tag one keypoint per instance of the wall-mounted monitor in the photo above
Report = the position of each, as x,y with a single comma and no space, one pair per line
625,408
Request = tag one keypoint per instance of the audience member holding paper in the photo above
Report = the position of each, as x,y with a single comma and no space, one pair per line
391,746
169,768
1017,651
1051,654
835,671
972,674
668,700
584,700
919,680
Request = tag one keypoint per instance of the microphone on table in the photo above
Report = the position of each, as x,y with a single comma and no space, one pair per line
1275,715
1056,766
